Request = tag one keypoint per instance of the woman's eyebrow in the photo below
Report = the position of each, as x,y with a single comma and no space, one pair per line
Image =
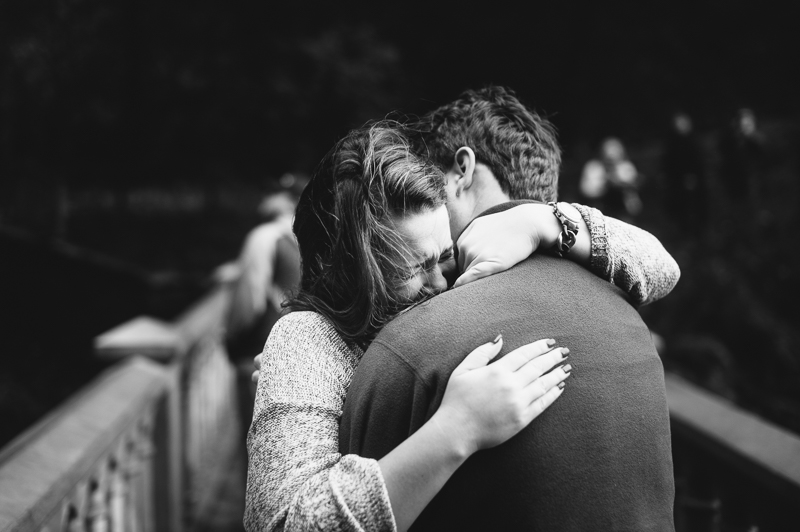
432,260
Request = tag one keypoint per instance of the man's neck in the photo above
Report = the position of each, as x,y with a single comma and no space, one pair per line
487,192
488,203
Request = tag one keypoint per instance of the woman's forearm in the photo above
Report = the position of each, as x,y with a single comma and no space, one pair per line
416,470
615,251
548,228
581,251
629,257
496,242
483,406
620,253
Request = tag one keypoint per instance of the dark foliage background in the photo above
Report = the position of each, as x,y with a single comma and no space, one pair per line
147,131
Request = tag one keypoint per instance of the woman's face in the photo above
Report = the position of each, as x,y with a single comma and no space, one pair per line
431,259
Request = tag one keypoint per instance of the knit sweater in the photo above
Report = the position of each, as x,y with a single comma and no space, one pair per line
297,480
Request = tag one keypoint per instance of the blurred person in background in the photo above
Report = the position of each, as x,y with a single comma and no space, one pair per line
268,270
266,273
684,170
611,182
743,155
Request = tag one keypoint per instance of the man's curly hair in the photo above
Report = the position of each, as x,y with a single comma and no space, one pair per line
517,145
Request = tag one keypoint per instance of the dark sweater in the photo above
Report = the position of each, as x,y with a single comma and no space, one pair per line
598,459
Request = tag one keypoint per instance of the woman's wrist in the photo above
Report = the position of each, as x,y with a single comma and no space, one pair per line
452,435
569,210
543,224
581,249
416,470
543,221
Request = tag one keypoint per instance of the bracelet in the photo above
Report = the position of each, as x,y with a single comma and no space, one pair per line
569,231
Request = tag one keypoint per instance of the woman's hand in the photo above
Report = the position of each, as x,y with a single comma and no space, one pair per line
484,405
496,242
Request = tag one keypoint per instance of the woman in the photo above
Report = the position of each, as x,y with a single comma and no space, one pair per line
359,272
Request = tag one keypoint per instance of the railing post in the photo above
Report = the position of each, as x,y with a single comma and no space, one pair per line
175,443
159,341
211,415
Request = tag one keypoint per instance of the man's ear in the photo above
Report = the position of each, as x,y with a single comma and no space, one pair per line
464,165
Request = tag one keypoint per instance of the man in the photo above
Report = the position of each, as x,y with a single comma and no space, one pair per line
597,459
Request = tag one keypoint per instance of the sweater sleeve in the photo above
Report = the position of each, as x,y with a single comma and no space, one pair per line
629,257
296,479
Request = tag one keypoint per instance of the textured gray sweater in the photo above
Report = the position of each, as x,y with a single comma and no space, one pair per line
297,480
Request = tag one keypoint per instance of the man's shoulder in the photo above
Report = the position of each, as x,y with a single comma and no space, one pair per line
483,308
539,278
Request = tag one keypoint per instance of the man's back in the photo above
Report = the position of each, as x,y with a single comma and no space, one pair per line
598,459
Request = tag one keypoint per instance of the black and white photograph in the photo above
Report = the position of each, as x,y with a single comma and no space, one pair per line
411,266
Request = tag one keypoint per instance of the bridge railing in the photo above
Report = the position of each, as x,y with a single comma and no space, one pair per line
144,447
93,463
733,470
207,432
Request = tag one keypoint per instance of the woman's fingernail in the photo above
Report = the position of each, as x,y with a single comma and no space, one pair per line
565,351
562,384
551,342
567,368
498,338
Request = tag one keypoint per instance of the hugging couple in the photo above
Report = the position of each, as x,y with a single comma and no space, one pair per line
382,407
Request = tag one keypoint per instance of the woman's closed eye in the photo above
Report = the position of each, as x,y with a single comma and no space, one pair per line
432,262
445,262
447,255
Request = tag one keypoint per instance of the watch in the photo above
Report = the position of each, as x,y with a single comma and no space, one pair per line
569,231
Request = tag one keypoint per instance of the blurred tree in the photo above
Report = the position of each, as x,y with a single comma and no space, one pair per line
117,93
322,84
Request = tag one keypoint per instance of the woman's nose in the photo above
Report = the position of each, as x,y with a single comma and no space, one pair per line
435,281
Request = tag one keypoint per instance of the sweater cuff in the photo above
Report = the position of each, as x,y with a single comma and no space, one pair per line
599,261
369,503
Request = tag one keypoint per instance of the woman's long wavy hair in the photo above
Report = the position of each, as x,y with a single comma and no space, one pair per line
354,262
